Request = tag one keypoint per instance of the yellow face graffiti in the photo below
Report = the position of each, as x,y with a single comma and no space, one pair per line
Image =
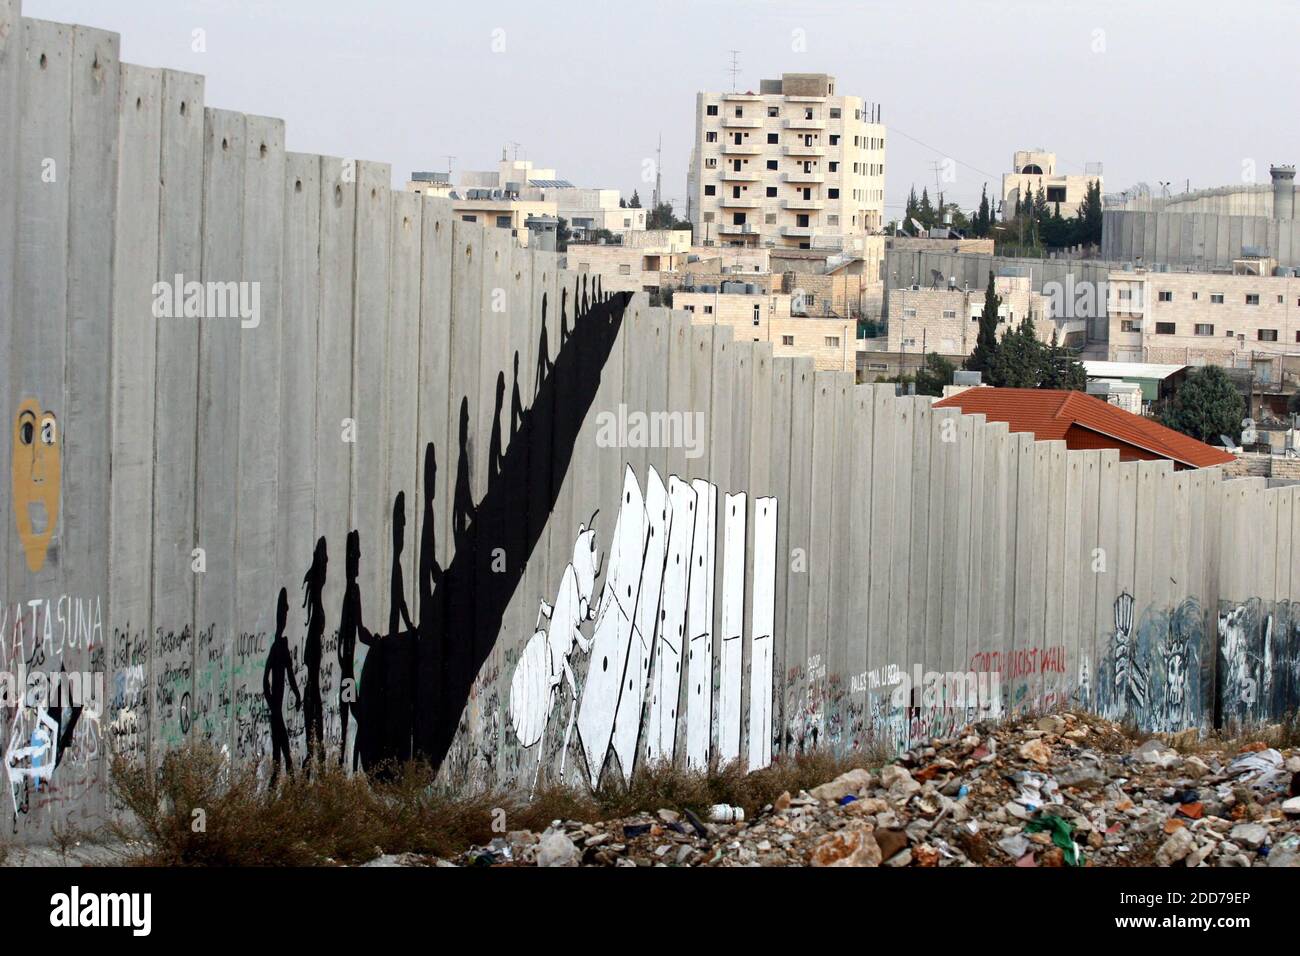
36,480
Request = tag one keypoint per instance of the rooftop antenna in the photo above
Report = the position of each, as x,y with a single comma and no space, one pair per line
450,160
734,68
659,165
516,146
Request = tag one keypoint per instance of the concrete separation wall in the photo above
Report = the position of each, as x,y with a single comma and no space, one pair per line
307,469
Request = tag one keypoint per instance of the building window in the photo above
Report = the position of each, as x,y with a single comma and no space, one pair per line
1165,296
1195,296
468,218
909,313
627,223
835,112
711,109
769,219
1228,334
1204,329
1056,194
710,190
771,164
1125,295
787,340
711,136
708,217
833,193
771,190
1165,328
740,111
774,111
832,341
1216,298
950,313
833,219
1267,335
1252,298
835,139
1128,325
624,269
708,310
711,163
758,319
689,308
774,137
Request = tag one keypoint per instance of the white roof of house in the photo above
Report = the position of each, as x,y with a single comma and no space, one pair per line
1130,369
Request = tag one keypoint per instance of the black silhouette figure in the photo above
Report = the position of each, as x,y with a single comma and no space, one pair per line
279,665
431,595
516,404
313,585
351,627
544,365
495,442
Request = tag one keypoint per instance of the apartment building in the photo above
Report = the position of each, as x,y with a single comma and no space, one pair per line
627,268
517,190
946,320
1249,318
831,343
1035,169
794,165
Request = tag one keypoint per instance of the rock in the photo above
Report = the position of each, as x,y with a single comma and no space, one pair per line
1286,853
1291,807
1195,767
1051,724
852,846
1085,778
1176,848
892,774
556,849
669,816
1252,835
899,859
1157,754
852,782
890,842
1037,751
782,803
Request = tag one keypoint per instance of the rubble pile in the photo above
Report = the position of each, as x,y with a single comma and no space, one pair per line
1069,790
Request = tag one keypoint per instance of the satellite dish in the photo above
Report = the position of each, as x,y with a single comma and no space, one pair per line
917,228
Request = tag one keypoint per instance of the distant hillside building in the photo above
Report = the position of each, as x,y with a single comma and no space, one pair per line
1035,169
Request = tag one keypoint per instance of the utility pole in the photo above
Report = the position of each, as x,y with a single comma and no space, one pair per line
450,160
659,177
734,69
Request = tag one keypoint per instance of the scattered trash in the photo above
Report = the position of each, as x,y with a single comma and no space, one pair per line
724,813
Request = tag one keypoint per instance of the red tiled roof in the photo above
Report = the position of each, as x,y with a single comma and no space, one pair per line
1051,414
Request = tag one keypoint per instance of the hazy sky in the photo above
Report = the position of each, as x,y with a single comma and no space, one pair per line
1156,91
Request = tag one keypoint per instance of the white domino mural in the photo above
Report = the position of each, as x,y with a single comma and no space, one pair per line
651,629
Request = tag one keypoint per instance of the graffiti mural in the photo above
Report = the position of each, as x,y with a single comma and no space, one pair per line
36,468
1259,660
1150,672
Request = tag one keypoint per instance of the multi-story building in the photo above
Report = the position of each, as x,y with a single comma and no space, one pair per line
1035,169
832,343
1248,319
946,320
793,165
517,190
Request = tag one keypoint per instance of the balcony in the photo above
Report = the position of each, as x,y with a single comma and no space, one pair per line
742,97
741,176
744,202
803,204
742,122
808,178
804,150
802,123
741,149
732,229
798,232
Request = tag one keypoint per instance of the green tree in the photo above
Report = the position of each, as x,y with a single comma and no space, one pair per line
1061,369
1207,406
934,374
983,218
1019,361
562,235
925,211
986,342
1088,230
635,201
